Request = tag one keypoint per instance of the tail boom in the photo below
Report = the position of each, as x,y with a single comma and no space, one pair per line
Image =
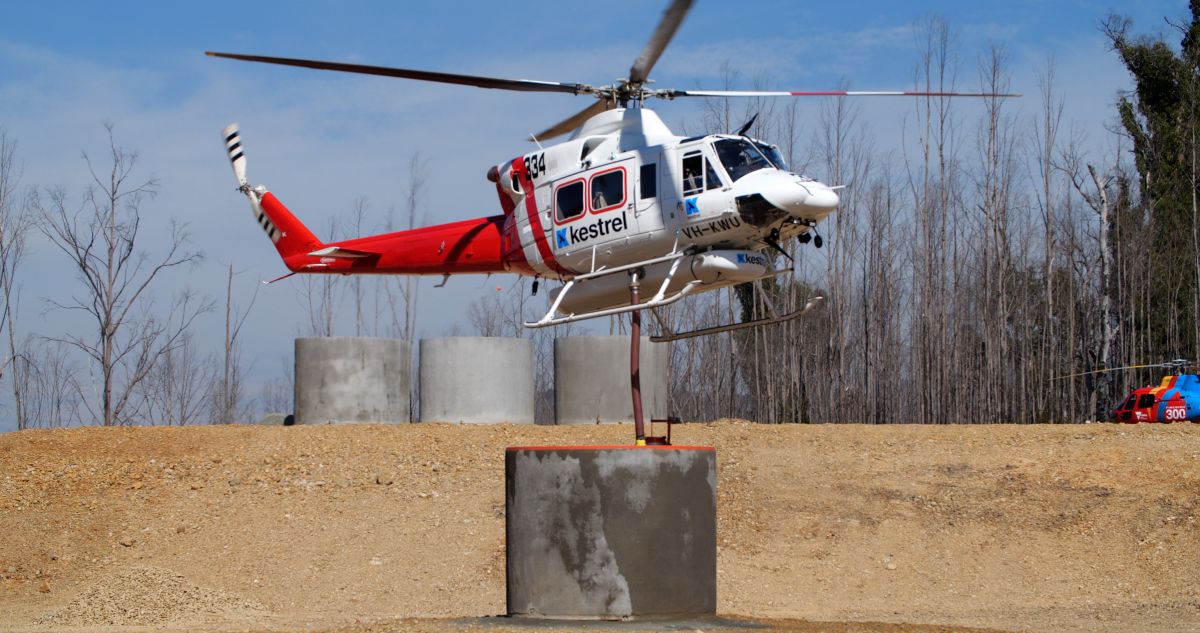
467,246
481,245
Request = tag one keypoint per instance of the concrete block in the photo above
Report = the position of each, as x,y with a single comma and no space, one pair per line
477,379
344,379
611,532
591,379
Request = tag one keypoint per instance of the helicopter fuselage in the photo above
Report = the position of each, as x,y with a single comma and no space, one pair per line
623,195
625,190
1175,399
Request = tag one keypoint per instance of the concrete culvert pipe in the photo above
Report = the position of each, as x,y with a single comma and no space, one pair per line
477,379
352,379
591,379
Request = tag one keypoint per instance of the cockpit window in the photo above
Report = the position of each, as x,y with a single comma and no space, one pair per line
772,153
693,176
740,157
712,180
699,175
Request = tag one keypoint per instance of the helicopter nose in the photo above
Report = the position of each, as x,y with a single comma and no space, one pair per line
803,199
821,200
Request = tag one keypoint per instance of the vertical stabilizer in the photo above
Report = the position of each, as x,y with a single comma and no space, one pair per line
285,231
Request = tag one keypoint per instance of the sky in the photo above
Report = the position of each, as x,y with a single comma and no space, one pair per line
322,140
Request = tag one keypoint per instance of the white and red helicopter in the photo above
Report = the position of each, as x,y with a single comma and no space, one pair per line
623,195
623,203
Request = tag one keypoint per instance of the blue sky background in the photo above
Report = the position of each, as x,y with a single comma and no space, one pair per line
320,140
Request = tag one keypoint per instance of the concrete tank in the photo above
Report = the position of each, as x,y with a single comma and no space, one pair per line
591,379
611,532
343,379
477,379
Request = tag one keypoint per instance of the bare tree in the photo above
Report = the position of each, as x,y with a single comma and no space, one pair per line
358,214
179,386
15,222
1099,194
278,396
100,239
413,203
50,388
320,296
228,394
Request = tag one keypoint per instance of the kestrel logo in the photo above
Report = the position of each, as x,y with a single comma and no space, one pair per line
692,209
569,235
743,258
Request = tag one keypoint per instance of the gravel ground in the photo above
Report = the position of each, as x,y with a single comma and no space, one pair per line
842,528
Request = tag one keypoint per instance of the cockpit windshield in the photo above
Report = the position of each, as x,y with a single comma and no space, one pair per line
740,157
772,153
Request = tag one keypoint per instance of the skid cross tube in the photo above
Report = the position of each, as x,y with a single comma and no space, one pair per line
669,336
659,298
683,292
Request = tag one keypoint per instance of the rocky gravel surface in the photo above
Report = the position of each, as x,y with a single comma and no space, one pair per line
394,528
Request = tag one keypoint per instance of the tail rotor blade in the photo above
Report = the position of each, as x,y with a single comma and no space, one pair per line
237,157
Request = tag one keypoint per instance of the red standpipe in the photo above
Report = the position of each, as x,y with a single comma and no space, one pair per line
635,379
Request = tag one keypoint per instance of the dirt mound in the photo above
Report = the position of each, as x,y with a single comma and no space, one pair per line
148,596
1039,528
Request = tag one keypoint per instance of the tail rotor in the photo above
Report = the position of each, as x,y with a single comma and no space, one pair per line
287,233
237,157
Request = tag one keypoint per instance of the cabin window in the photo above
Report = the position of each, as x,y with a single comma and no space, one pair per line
1146,400
608,190
568,201
649,180
693,175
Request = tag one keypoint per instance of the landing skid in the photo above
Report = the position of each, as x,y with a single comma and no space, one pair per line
668,335
658,300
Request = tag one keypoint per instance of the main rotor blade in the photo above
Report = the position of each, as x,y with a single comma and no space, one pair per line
671,94
522,85
572,122
670,22
1178,363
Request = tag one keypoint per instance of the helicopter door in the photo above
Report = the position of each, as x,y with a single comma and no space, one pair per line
1145,408
591,211
1125,411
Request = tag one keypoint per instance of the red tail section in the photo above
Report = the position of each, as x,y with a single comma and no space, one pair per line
289,234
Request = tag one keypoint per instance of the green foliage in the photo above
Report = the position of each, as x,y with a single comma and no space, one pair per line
1160,117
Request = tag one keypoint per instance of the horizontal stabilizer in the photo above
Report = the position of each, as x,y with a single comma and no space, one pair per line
337,252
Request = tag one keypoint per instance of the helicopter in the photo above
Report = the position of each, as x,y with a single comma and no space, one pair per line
624,202
1175,399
